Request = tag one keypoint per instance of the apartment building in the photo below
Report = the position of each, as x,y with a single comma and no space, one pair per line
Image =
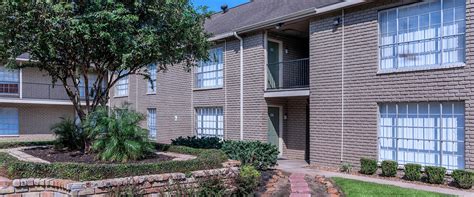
29,103
328,81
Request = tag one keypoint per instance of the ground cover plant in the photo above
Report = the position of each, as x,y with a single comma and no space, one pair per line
258,154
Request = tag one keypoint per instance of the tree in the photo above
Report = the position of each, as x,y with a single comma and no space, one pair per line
70,40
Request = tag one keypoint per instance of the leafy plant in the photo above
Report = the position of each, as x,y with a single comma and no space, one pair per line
255,153
68,135
213,186
389,168
435,174
248,180
412,172
463,178
195,142
368,166
346,167
117,134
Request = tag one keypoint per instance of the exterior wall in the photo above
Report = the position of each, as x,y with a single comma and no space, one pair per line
38,119
364,88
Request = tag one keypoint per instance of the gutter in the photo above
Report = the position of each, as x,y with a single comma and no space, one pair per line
289,17
241,85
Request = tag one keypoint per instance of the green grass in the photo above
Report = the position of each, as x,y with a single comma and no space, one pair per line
354,188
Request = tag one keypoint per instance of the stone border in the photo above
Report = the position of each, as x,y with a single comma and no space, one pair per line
146,185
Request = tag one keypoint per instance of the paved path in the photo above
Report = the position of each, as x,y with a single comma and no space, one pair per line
299,186
296,166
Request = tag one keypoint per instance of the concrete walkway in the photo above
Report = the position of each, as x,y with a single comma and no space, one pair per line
298,166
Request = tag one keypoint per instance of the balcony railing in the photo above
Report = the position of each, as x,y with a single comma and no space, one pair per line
288,74
36,90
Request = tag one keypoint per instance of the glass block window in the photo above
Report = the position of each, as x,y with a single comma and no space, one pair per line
210,74
210,122
151,85
9,81
426,34
428,133
121,87
8,121
151,122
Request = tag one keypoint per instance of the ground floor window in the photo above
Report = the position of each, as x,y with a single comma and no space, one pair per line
210,122
9,121
427,133
151,122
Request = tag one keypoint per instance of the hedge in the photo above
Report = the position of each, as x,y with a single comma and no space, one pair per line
463,178
368,166
206,159
435,174
195,142
412,172
4,145
389,168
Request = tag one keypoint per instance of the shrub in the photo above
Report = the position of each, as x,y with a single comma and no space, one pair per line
412,172
206,159
248,180
255,153
368,166
389,168
463,178
68,135
346,167
212,186
194,142
435,174
117,134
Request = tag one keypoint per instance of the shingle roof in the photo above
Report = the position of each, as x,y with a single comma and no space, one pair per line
258,11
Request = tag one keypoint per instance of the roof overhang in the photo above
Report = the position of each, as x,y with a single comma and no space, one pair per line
290,17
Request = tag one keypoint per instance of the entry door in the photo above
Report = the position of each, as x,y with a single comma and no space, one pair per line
9,121
274,126
273,74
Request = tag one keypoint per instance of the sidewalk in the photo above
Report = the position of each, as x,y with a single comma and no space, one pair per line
297,166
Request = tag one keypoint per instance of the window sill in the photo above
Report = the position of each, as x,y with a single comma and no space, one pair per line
209,88
421,68
123,96
151,93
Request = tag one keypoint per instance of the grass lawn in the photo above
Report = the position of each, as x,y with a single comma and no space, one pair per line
353,188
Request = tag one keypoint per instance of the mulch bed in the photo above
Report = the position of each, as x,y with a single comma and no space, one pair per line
399,177
273,183
53,156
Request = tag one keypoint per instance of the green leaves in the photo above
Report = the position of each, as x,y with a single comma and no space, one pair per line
255,153
117,135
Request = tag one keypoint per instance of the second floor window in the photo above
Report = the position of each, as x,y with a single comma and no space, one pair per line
151,85
121,88
210,74
427,34
9,81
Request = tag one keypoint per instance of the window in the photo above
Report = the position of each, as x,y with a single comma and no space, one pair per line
8,121
151,85
210,74
82,88
426,34
121,88
9,81
151,123
210,122
429,133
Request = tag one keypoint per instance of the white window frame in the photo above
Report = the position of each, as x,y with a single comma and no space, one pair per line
10,77
151,83
12,124
213,117
151,123
437,130
217,70
441,39
122,87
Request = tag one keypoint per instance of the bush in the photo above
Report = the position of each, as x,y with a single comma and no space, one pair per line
15,169
412,172
389,168
435,174
346,167
194,142
117,134
463,178
255,153
248,180
68,135
368,166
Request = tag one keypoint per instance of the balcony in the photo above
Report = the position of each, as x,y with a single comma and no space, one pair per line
288,78
36,91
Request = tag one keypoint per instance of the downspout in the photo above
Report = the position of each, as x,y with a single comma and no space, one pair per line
342,88
241,85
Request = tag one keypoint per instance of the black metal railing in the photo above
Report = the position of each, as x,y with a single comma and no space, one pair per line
288,74
37,91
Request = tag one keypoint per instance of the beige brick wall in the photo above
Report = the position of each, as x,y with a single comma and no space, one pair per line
364,88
